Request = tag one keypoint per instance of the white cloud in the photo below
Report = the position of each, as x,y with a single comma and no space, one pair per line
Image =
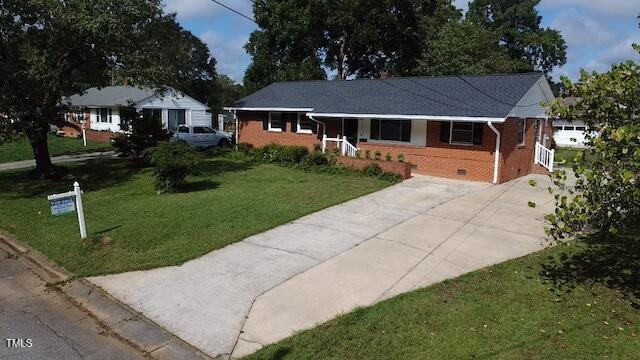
580,29
615,54
229,52
204,9
609,7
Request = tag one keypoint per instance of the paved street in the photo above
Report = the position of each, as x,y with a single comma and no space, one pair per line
57,329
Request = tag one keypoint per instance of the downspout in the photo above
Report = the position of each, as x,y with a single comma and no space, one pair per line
235,117
496,162
324,126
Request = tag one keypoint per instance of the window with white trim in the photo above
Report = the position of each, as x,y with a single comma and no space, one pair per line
522,125
104,115
461,133
275,121
305,125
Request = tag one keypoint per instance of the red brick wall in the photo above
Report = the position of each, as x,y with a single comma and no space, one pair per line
473,162
252,132
101,136
516,160
443,159
73,128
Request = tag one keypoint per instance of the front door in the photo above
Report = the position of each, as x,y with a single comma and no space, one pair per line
351,130
176,118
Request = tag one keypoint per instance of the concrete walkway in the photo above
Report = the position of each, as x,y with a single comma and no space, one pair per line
57,160
258,291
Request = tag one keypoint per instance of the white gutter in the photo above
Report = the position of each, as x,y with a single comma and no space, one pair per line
496,162
410,117
235,117
324,126
276,109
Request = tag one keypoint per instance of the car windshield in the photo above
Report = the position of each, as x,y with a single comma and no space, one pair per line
203,130
183,129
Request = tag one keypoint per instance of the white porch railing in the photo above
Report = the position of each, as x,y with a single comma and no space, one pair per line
346,148
544,156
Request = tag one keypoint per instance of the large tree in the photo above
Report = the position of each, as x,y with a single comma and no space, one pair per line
466,48
606,196
299,39
50,49
518,24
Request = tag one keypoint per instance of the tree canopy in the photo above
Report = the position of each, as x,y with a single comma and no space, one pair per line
303,39
606,195
469,49
52,49
518,24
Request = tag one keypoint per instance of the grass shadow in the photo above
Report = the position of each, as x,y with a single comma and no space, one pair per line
280,354
200,185
104,231
217,166
100,174
92,175
611,260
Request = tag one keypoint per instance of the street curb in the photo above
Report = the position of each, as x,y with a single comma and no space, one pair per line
129,324
117,317
37,262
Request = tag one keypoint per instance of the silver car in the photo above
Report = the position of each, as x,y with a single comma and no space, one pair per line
202,137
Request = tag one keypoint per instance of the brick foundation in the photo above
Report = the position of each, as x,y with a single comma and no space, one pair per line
100,136
401,168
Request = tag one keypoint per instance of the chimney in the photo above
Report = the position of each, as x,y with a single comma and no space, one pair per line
384,74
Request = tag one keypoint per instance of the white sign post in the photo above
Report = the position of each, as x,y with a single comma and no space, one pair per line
64,204
84,133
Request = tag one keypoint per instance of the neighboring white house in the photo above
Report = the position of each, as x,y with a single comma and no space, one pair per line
569,134
99,108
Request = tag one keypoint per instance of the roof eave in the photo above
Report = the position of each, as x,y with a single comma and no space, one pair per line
412,117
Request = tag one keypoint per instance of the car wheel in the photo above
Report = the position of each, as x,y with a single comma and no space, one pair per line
224,143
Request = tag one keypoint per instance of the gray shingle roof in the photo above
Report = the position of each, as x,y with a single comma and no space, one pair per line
110,96
487,96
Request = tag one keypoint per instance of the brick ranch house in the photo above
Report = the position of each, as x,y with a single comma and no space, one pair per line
480,128
98,110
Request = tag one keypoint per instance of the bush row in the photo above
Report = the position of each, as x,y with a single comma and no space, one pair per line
301,158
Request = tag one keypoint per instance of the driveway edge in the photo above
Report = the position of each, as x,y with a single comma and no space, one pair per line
120,319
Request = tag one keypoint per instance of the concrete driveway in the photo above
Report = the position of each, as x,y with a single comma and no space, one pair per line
235,300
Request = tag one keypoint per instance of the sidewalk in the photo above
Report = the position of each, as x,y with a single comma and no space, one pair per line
24,164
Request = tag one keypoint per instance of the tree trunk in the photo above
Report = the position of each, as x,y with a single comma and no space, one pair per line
38,138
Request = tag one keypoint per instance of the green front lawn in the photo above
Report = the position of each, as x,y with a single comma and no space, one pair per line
229,201
580,305
21,150
567,154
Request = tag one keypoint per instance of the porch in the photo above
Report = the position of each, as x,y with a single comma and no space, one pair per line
454,148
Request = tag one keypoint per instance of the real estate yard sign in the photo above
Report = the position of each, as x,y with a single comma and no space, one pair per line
67,203
62,206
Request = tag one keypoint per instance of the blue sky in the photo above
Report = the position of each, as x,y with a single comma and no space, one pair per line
598,32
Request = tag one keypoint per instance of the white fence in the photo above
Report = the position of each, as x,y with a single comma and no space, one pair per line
544,156
346,148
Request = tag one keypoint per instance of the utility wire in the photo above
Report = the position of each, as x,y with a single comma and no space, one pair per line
493,97
445,95
235,11
422,96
